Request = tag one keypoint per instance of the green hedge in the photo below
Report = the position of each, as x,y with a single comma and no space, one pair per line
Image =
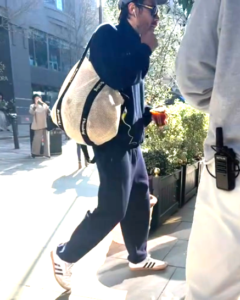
179,143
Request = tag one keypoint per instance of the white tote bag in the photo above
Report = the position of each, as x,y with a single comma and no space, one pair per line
87,109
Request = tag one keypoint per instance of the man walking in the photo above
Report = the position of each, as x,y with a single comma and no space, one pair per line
120,55
208,76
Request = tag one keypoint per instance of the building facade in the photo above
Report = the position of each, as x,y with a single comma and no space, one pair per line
38,47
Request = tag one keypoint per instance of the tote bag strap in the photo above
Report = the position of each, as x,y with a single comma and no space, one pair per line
59,105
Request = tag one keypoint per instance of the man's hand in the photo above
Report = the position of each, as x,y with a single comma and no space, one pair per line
149,38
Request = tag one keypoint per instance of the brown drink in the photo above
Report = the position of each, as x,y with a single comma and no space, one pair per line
159,116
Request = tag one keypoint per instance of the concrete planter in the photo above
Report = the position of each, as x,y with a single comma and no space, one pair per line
168,191
190,182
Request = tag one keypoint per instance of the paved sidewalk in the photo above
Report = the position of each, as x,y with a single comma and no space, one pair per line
113,280
168,243
39,221
23,131
15,159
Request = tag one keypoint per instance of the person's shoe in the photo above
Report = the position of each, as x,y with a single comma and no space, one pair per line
149,264
62,271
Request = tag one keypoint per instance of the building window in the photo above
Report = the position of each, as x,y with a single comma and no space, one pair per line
65,56
59,4
32,60
49,52
54,53
40,44
50,1
38,49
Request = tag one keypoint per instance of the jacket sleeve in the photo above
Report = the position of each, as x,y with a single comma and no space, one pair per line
118,68
32,109
196,61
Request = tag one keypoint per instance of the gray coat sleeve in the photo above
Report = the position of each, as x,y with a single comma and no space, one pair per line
196,61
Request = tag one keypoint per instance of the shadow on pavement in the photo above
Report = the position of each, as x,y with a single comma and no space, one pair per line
64,296
78,181
23,165
121,273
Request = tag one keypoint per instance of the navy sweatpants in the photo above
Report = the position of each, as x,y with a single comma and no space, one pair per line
123,197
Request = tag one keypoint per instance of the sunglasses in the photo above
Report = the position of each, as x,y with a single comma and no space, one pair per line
153,9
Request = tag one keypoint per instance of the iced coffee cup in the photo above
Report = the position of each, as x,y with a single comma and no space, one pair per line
159,116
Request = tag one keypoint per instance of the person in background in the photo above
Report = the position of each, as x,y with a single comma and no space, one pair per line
85,153
121,56
40,111
4,122
208,75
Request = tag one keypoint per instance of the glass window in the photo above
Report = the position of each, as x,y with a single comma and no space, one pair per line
50,1
32,61
49,52
65,56
40,45
54,53
59,4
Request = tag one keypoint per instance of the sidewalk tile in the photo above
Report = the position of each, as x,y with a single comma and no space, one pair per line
182,232
191,203
177,256
186,214
28,293
176,288
146,285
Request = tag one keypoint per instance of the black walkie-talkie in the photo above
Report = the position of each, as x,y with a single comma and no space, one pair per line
225,164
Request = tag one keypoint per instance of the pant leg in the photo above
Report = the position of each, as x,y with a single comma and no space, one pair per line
213,263
37,141
115,172
85,152
135,225
46,138
79,152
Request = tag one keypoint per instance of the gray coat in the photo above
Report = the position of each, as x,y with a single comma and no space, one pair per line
208,67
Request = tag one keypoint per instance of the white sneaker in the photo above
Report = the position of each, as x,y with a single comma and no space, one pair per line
62,271
149,264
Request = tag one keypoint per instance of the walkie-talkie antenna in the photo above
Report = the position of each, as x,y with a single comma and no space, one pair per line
219,139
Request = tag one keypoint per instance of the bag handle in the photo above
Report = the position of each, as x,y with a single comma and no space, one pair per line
59,105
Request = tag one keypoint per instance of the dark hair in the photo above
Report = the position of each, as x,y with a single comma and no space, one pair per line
1,95
34,97
124,14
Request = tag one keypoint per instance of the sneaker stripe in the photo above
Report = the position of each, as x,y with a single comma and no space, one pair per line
145,266
149,265
58,273
57,265
58,269
153,265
